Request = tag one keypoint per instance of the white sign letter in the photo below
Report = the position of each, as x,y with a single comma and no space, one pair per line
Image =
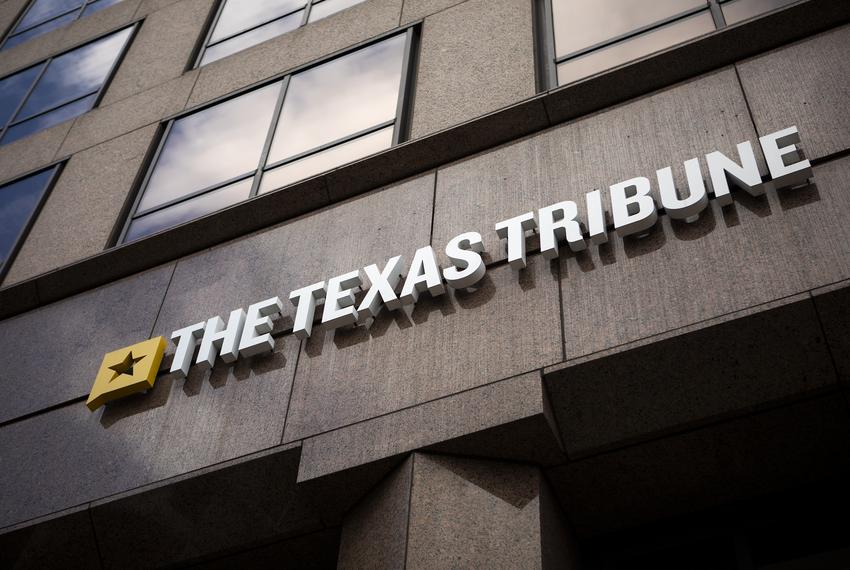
723,170
424,274
596,218
558,223
464,251
633,213
218,338
382,289
258,325
514,230
776,147
304,300
186,339
689,208
339,300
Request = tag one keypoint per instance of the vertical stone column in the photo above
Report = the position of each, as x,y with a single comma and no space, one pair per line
438,511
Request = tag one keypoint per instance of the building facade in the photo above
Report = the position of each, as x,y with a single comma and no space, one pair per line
425,284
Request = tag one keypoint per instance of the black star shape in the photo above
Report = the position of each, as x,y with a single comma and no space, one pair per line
125,366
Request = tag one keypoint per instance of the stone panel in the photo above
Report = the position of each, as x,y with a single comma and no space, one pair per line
635,139
84,206
805,84
342,238
752,252
65,540
475,58
34,151
448,344
467,513
374,533
51,355
161,50
107,122
432,423
177,427
795,446
203,514
742,363
298,47
833,307
418,9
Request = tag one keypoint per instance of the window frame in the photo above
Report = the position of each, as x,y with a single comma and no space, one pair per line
204,45
25,229
401,133
45,63
13,29
547,61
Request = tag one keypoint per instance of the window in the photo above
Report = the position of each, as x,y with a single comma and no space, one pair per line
20,200
589,36
42,16
299,126
240,24
58,89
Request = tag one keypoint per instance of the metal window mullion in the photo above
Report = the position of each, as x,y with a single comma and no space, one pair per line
23,102
331,144
208,37
717,14
407,68
307,9
144,185
51,109
17,22
267,145
195,194
633,33
547,66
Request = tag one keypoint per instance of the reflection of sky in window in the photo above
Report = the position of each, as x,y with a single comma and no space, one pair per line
189,210
580,24
212,146
328,7
252,38
13,89
17,203
636,47
339,98
42,10
75,73
239,15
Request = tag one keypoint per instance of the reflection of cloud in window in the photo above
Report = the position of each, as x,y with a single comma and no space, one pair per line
339,98
43,10
239,15
212,146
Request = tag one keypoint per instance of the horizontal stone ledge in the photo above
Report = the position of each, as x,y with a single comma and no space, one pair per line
561,104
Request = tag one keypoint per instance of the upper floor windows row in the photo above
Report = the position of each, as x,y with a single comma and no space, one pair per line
590,36
240,24
299,126
60,88
41,16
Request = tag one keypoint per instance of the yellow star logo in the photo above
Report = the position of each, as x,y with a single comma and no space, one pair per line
126,371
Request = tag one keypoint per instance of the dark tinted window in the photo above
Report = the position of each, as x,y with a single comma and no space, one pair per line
59,89
18,202
42,16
